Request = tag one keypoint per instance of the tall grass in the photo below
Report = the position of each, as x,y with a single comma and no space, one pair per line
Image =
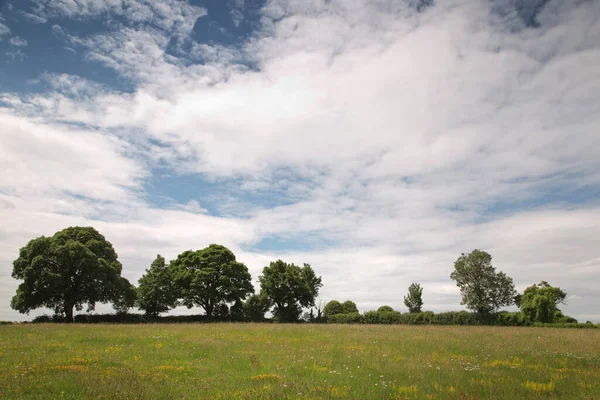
272,361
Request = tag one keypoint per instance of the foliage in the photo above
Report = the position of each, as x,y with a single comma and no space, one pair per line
210,278
335,307
255,308
540,302
385,309
156,290
236,311
414,299
332,308
126,296
345,318
73,267
288,288
483,289
349,307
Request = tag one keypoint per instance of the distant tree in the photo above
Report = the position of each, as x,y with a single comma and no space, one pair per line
483,289
125,297
332,307
288,288
349,307
157,292
319,306
540,302
255,308
222,311
210,277
414,299
236,311
73,267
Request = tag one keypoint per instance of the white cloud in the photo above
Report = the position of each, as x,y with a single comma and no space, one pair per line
4,30
17,41
405,134
172,15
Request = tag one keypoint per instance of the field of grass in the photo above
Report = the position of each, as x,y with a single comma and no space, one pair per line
269,361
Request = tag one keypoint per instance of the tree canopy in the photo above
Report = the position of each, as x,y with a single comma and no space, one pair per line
414,299
540,302
210,277
483,289
288,288
75,266
335,307
156,290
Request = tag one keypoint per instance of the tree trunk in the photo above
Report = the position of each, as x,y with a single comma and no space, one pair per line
69,312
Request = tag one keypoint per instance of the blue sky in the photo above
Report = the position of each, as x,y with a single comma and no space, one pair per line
375,140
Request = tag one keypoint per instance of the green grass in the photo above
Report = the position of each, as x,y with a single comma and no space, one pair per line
268,361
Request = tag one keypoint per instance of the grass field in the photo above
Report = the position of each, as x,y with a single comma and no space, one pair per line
268,361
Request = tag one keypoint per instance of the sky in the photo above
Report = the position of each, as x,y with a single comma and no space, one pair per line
376,140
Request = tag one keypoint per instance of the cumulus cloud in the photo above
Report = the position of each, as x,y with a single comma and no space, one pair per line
400,134
17,41
4,29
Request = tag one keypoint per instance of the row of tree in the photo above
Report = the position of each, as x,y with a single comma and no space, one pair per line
483,290
78,266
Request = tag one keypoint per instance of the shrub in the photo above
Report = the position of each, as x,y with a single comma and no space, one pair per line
348,318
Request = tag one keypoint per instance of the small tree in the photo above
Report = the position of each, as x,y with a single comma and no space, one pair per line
414,299
540,302
483,289
125,297
349,307
255,308
156,291
288,288
75,266
332,307
385,309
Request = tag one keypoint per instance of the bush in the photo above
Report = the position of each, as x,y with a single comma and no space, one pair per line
348,318
44,318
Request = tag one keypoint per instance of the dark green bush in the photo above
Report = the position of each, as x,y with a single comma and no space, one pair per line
348,318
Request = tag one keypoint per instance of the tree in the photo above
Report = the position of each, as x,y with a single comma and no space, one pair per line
156,289
540,302
483,289
73,267
125,297
288,288
385,309
331,308
209,277
349,307
255,308
414,299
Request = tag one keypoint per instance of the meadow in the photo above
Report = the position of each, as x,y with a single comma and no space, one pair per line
277,361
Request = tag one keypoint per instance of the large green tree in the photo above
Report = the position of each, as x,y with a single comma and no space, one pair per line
73,267
156,290
483,289
414,299
288,288
210,277
540,302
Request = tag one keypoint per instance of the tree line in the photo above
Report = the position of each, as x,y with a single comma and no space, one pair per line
78,267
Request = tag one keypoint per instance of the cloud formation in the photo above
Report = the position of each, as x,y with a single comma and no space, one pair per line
400,134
